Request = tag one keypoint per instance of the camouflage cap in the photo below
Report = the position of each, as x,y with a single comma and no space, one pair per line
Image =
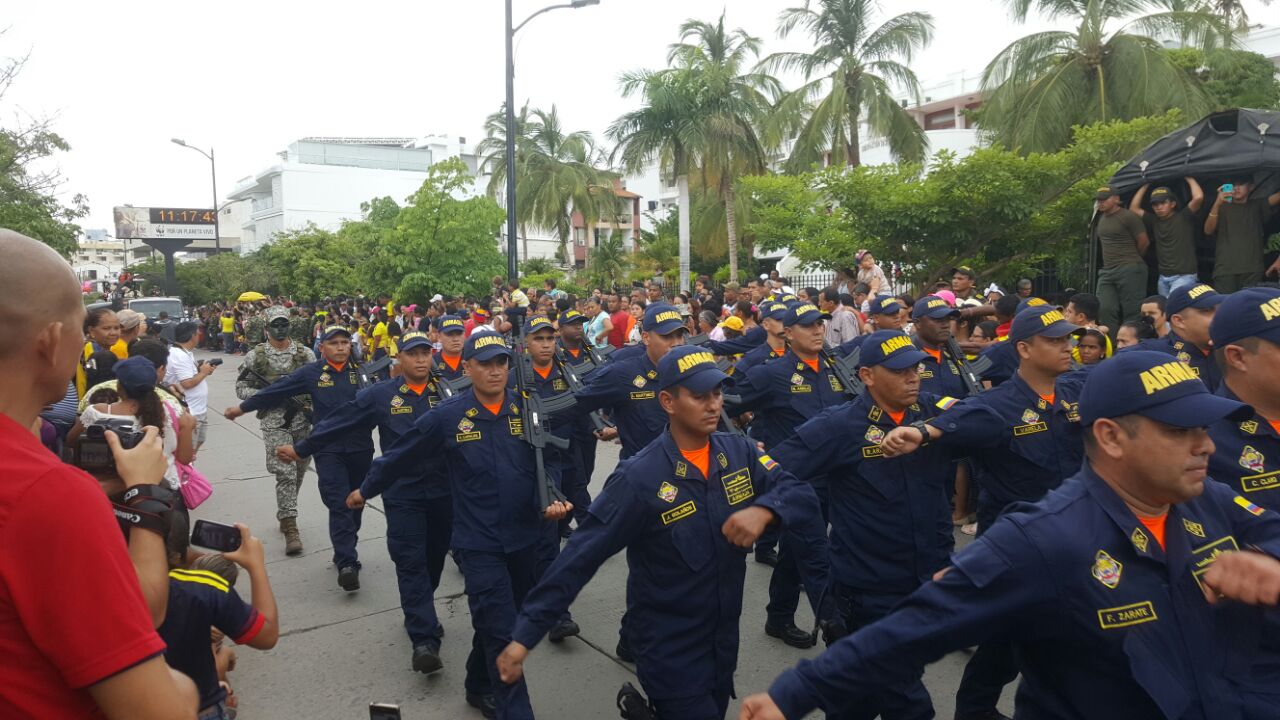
275,311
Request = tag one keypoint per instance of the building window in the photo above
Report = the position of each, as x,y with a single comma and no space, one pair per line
580,237
941,120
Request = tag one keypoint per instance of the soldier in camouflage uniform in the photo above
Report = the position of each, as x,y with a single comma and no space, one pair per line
255,326
284,425
300,327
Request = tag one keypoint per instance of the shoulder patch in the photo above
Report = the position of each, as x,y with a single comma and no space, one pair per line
768,462
1248,506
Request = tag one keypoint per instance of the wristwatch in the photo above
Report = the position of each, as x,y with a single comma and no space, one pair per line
925,438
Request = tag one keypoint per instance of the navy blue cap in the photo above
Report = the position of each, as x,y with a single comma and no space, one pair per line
413,339
804,314
1029,302
1200,297
885,305
450,324
891,348
934,307
773,310
787,298
692,367
662,318
538,322
335,330
573,316
136,376
1157,386
485,345
1045,320
1253,312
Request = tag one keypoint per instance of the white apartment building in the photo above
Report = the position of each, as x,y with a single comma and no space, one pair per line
324,180
101,257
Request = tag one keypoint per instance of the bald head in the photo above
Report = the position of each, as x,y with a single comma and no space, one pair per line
39,288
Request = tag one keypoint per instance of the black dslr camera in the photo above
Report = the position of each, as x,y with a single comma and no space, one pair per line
94,453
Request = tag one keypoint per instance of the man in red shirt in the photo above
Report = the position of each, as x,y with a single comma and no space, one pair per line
79,639
620,316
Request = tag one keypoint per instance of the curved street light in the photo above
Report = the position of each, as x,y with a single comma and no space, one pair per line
217,236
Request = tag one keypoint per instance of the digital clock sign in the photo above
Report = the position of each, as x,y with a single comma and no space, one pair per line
146,223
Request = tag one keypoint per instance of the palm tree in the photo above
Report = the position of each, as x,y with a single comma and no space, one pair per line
555,175
666,128
849,79
734,104
1043,84
609,261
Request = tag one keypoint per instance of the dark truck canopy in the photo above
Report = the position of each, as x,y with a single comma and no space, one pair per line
1216,149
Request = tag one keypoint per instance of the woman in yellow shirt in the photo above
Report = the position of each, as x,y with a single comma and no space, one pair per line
102,332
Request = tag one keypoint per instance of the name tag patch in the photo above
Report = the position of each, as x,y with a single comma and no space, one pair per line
1126,615
801,388
1203,557
1265,481
872,451
646,395
515,425
467,436
404,410
737,486
1020,430
679,513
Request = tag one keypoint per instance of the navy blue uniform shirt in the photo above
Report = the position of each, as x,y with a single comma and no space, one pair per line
491,471
1107,624
198,600
1202,364
684,593
1004,361
743,343
939,376
330,389
890,517
784,393
757,355
392,407
630,387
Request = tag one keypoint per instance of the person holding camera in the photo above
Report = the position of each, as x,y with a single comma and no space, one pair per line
78,633
139,405
201,599
190,375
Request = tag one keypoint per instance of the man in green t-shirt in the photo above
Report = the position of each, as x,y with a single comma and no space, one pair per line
1122,280
1240,226
1173,229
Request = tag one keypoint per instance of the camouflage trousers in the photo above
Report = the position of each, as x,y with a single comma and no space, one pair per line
288,475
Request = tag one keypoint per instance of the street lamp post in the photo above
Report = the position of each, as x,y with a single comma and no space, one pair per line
213,169
513,268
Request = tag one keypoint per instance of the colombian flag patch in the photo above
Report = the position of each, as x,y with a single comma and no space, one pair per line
946,403
769,463
1248,506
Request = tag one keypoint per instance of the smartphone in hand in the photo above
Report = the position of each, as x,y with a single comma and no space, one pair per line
384,711
215,536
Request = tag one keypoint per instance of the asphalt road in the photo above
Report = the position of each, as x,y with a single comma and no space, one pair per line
340,651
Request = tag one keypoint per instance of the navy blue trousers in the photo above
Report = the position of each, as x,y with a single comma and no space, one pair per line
340,473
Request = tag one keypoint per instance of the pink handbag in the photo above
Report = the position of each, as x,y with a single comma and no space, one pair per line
193,485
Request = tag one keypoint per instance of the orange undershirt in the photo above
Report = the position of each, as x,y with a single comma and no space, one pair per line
451,360
543,372
1275,425
896,417
338,366
935,354
416,388
1049,398
494,408
1155,526
700,458
574,353
813,364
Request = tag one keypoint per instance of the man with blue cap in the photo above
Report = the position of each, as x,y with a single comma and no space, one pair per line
885,313
890,517
1033,446
773,317
332,382
932,318
447,365
570,352
1191,310
497,520
686,508
1110,587
786,392
418,509
1246,456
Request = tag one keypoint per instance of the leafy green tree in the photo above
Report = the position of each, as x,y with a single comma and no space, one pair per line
660,248
1234,78
999,211
609,262
29,201
311,263
849,79
1043,84
555,173
437,243
736,103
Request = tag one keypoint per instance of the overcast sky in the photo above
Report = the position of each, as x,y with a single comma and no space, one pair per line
248,78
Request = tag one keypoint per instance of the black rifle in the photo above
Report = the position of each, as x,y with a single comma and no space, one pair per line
291,405
970,372
537,412
367,374
846,370
570,373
